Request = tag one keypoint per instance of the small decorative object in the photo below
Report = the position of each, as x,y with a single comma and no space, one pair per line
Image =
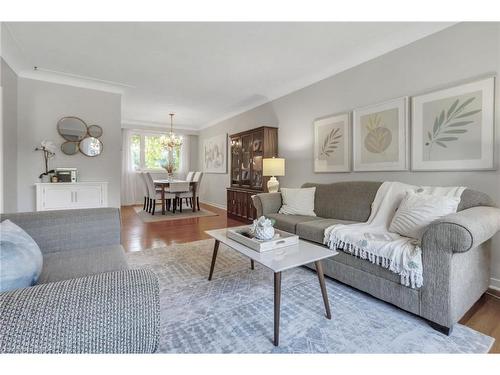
262,228
171,141
54,179
215,154
332,143
49,151
379,133
273,167
453,129
245,236
169,167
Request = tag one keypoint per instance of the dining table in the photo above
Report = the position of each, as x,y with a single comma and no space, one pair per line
165,183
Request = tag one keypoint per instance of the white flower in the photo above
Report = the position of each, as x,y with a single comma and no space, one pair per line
48,145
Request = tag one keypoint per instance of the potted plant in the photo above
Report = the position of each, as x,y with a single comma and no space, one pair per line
49,151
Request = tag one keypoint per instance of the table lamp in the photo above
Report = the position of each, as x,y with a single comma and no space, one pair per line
273,167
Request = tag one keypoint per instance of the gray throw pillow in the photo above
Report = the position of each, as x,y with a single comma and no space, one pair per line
20,258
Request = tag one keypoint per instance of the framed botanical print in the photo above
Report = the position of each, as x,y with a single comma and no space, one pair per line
332,143
380,136
453,129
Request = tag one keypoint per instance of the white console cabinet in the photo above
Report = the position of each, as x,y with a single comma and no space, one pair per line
71,195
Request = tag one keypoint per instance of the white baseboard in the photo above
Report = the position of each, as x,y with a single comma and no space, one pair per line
222,207
495,284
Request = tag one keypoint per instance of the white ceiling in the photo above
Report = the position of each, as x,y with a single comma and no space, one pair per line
203,72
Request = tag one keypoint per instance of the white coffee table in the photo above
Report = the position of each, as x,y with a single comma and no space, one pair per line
278,260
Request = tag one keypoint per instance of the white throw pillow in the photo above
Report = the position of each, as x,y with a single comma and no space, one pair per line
418,210
298,201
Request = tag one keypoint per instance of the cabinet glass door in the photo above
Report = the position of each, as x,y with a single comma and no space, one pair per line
257,155
235,161
246,160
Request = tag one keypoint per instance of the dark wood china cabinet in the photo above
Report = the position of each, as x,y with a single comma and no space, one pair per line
248,148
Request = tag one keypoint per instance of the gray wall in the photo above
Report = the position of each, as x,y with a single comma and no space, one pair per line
9,149
41,105
459,53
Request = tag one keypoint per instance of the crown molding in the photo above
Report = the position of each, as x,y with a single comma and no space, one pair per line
395,42
135,124
69,80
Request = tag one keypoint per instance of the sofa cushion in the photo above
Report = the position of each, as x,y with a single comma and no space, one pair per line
20,258
417,210
344,200
64,265
288,223
314,230
473,198
298,201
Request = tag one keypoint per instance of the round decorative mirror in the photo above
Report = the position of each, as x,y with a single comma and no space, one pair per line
90,146
95,131
72,128
69,148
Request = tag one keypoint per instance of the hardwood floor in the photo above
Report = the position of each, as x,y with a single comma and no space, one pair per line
484,316
137,235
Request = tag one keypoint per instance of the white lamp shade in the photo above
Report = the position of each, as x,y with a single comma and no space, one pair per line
274,167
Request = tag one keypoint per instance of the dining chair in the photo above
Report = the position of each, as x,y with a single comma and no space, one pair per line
155,194
178,188
145,190
189,176
189,195
197,178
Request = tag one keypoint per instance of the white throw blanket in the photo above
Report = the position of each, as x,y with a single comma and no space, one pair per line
373,241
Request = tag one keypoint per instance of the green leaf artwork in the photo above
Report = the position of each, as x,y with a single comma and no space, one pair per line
331,142
446,128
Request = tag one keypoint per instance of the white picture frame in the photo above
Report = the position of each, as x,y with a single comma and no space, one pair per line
380,136
215,154
443,140
332,143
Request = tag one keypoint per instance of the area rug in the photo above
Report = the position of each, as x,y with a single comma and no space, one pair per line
233,313
187,213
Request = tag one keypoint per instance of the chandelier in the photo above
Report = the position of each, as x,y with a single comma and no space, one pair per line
171,141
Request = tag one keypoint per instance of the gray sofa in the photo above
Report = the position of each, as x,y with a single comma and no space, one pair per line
455,249
86,300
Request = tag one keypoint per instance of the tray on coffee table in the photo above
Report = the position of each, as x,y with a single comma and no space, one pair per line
243,235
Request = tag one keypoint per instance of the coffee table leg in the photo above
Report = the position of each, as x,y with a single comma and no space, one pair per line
252,264
277,301
321,277
214,257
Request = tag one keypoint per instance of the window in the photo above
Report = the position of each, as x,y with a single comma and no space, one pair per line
148,152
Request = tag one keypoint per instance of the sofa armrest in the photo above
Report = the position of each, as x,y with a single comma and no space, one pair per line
70,229
267,203
462,231
113,312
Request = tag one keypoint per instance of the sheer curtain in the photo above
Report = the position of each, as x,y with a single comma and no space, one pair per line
184,164
129,175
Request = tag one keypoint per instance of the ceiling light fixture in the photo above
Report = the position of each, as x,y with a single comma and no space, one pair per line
171,141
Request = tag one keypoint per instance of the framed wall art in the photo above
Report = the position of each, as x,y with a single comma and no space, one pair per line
453,129
215,154
380,141
332,143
